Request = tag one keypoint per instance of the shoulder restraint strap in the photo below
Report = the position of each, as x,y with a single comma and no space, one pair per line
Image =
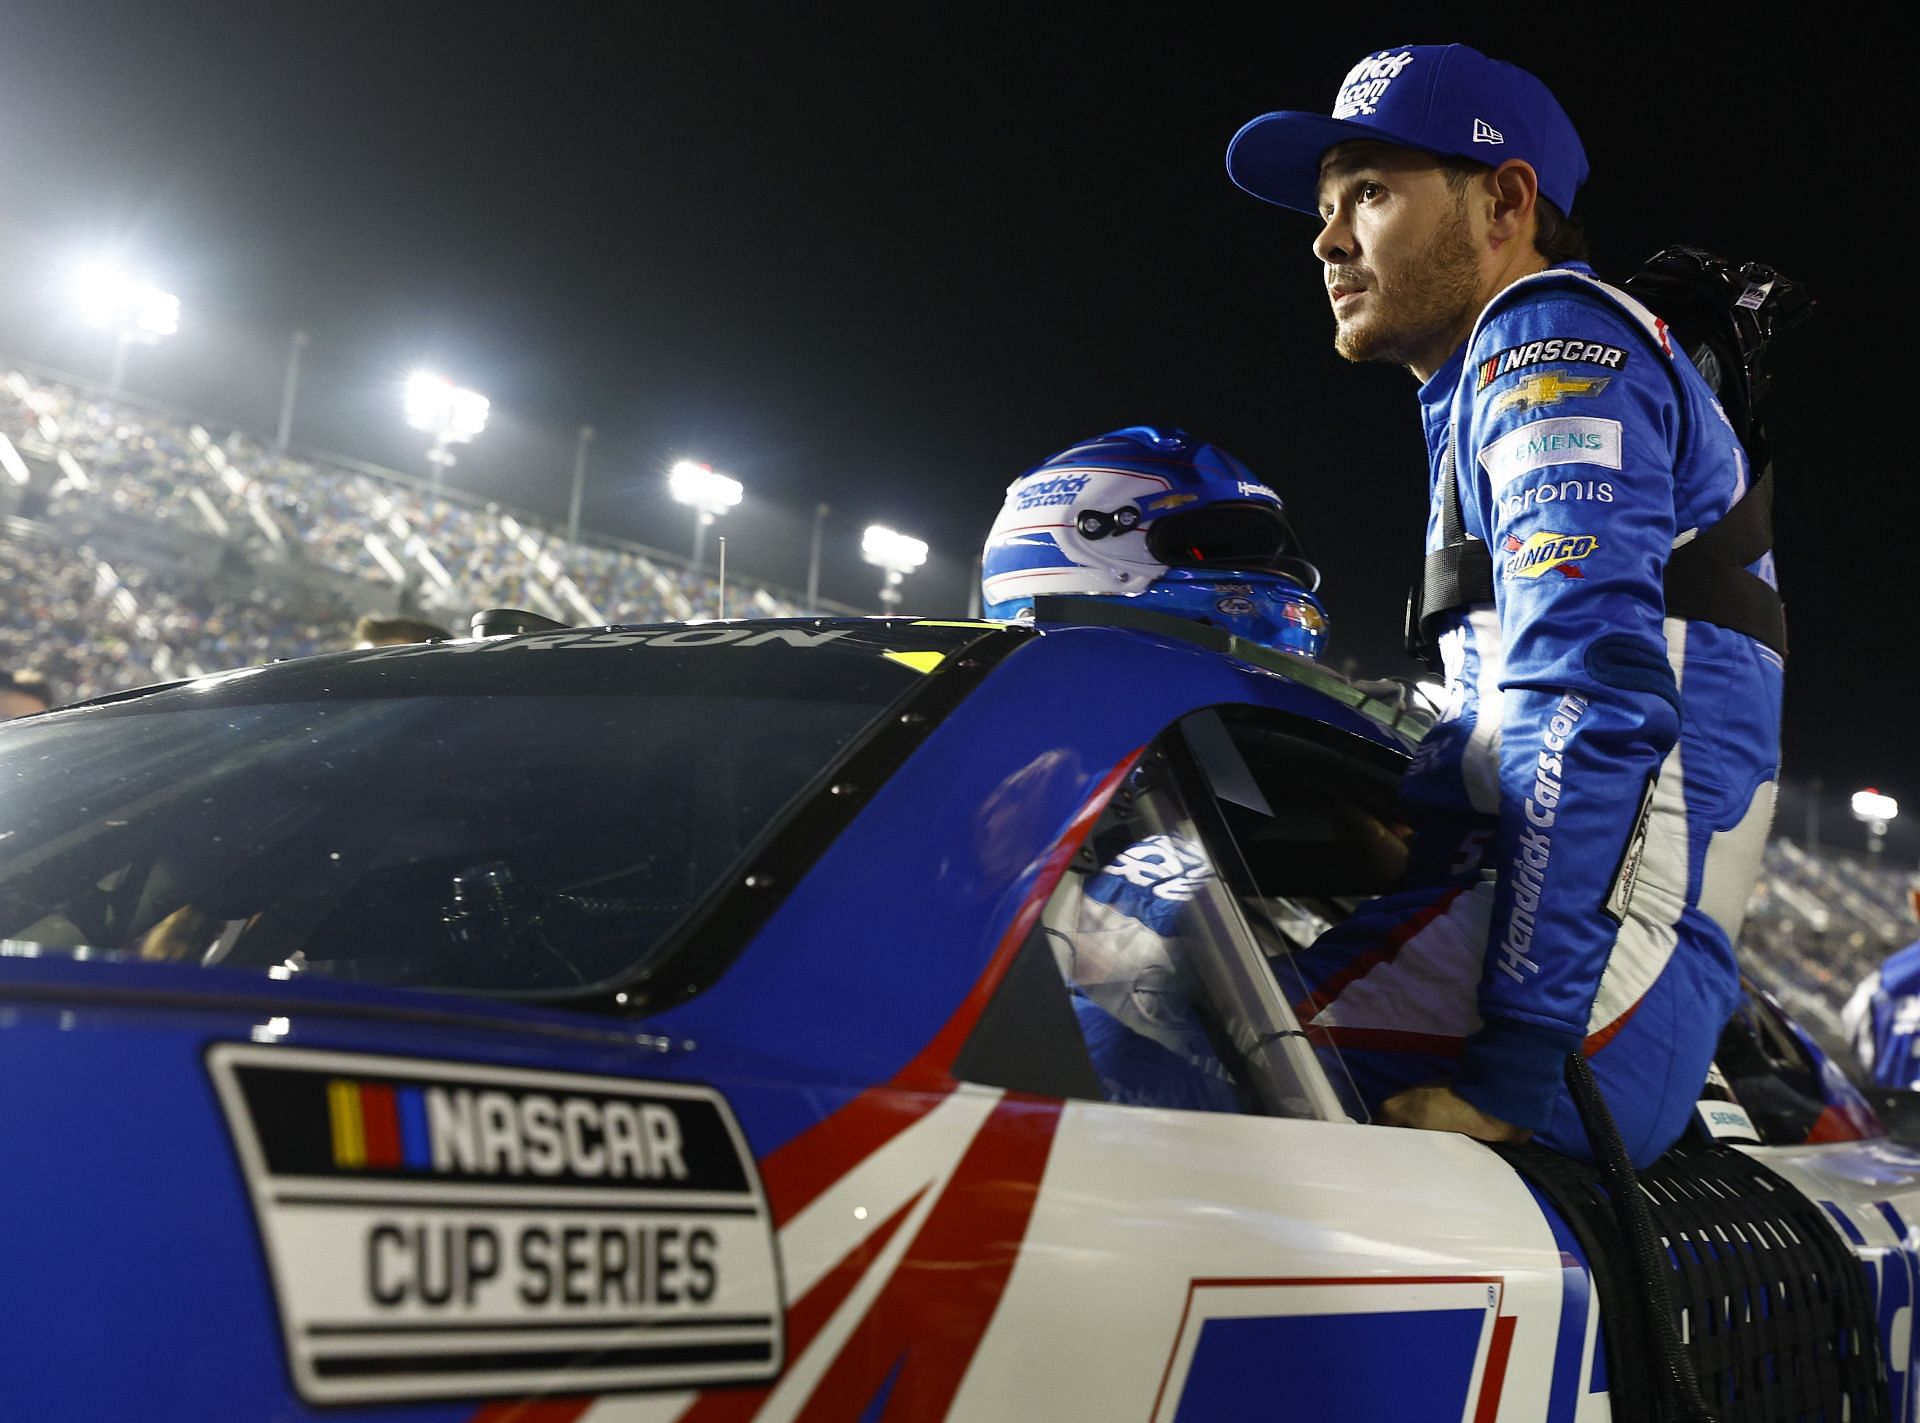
1706,579
1453,575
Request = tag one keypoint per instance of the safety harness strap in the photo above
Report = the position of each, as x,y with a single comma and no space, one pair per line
1706,579
1452,573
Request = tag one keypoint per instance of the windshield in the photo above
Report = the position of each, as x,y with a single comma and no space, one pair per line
467,816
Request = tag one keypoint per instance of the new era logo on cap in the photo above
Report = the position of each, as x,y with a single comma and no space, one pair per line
1484,132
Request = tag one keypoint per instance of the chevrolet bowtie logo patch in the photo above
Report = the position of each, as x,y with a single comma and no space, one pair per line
1484,132
1547,388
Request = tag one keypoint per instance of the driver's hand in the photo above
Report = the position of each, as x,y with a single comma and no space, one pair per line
1385,844
183,936
1437,1107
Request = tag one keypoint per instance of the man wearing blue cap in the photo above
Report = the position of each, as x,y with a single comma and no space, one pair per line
1592,806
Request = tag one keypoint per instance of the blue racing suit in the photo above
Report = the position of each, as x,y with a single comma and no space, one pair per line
1591,807
1882,1020
1120,944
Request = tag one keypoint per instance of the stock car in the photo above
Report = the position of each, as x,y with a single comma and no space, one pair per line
638,1024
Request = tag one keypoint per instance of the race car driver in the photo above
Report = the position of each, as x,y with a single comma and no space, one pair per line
1155,518
1592,805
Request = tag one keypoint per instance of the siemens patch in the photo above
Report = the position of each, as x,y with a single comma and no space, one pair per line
1565,439
1559,348
439,1230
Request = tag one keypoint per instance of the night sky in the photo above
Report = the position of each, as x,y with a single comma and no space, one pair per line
887,257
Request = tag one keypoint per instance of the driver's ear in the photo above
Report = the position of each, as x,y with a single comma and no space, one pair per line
1513,188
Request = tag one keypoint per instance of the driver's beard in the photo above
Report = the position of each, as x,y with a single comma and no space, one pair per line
1421,302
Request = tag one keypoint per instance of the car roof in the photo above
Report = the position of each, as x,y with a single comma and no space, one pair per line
923,643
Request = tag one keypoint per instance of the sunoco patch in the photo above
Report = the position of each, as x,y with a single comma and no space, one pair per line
440,1230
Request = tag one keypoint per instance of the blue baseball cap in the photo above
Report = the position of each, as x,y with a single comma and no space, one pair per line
1441,98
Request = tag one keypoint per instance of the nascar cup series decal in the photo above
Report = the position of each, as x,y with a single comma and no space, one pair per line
440,1230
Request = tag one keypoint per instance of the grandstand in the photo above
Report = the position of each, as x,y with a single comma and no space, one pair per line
139,543
1818,923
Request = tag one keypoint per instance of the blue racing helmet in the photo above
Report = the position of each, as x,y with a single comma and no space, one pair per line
1157,517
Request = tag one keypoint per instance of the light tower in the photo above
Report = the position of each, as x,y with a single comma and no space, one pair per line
136,312
451,414
708,492
896,553
1874,811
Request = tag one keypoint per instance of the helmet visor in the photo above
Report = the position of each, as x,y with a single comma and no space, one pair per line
1223,535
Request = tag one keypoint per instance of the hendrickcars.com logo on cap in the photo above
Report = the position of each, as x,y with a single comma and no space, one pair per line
1443,99
1367,83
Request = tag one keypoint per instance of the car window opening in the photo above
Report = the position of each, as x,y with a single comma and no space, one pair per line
1173,952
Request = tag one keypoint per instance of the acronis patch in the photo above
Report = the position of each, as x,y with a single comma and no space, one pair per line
1544,550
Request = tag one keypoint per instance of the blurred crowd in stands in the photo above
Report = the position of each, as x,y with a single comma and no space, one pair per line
90,626
277,555
1819,922
136,547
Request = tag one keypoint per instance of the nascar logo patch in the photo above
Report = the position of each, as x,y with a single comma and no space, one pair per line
1558,348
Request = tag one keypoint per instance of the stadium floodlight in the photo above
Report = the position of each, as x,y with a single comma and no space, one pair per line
897,553
1871,805
1874,810
136,312
708,492
451,414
